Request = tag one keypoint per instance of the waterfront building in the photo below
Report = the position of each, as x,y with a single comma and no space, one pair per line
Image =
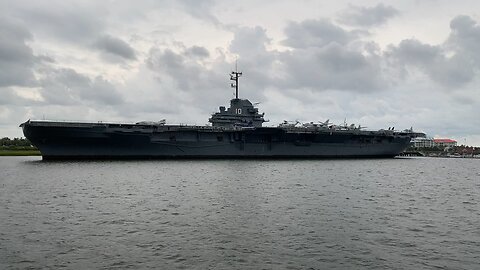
444,142
431,142
422,142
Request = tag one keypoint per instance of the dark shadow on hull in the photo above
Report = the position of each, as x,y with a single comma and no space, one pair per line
87,158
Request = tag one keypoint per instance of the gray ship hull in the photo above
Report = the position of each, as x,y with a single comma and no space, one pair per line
58,140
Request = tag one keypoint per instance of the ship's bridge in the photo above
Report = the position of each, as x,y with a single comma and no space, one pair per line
241,113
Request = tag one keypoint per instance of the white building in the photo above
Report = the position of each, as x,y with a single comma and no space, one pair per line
421,142
430,142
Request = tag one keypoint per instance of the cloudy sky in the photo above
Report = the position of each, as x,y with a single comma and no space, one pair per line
376,63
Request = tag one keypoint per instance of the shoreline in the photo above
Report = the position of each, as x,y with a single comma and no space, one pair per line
13,153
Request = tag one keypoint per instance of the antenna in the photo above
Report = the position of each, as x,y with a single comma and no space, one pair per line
234,77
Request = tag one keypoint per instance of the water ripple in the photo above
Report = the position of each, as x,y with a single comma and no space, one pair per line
417,213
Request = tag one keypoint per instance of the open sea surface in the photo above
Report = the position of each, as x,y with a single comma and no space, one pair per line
404,213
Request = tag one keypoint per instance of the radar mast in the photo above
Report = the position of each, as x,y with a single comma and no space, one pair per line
234,77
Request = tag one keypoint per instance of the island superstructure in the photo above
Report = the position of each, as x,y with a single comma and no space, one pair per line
235,132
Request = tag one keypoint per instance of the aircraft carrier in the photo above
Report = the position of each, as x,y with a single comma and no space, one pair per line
235,132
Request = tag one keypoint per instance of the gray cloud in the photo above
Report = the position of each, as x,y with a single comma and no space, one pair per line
200,9
180,73
73,22
169,63
315,33
250,45
102,91
328,57
9,97
249,41
465,37
115,46
450,71
367,16
198,51
16,57
327,70
66,87
332,67
415,52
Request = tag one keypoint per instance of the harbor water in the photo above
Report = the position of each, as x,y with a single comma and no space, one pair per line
402,213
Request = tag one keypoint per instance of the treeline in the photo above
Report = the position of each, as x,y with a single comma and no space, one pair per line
15,143
465,150
459,150
17,147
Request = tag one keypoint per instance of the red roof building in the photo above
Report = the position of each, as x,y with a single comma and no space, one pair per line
444,142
